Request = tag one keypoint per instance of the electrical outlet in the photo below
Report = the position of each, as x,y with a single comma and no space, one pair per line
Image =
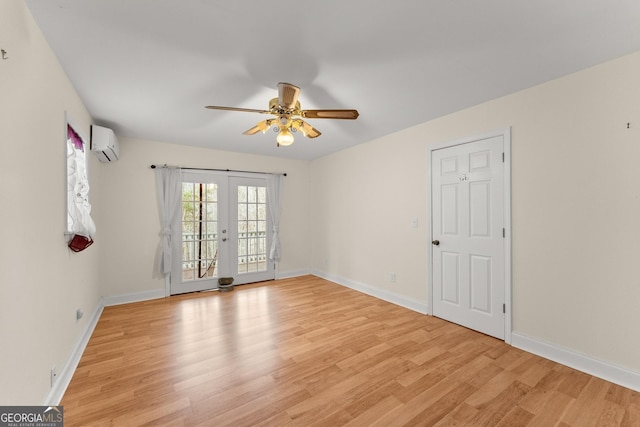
54,375
392,277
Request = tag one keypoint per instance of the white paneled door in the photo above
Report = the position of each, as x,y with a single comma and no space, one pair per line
468,246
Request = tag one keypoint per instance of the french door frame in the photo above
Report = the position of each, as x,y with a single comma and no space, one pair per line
227,231
506,137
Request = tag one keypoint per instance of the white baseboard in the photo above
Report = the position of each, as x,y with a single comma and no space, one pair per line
56,393
134,297
291,273
60,385
612,373
411,304
581,362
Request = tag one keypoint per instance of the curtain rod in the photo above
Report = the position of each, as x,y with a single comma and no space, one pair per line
218,170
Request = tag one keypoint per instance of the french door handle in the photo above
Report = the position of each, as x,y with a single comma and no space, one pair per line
224,239
435,242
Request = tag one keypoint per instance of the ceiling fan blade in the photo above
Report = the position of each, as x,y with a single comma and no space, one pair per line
308,130
246,110
288,95
252,131
330,114
262,126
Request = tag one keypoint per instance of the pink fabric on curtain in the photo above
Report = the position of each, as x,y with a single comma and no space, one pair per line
75,138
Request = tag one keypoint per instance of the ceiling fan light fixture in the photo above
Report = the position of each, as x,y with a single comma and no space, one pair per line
285,137
295,127
289,116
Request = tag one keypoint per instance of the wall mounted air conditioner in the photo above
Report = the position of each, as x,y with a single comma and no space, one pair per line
104,144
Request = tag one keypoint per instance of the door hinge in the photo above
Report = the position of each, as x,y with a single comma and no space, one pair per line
504,308
502,157
504,233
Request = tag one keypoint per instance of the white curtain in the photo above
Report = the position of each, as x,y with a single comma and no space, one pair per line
169,187
79,219
274,191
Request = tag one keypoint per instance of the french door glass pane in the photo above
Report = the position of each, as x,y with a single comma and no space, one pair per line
199,230
252,225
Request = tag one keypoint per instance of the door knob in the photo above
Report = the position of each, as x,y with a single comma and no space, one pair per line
436,242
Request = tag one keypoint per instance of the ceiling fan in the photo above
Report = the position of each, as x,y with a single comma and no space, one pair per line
288,116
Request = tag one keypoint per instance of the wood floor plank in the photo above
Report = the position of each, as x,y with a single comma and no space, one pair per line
497,409
307,352
442,407
589,405
515,417
370,410
460,416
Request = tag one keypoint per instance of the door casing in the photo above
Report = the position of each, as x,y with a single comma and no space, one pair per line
506,137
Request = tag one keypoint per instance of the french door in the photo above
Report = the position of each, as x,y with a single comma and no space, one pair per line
223,231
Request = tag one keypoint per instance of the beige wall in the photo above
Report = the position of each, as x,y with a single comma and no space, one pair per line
364,201
575,208
128,219
41,282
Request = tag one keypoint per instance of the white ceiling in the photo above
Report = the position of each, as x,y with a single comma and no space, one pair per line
147,68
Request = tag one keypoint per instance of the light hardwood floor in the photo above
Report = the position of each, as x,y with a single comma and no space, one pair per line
307,352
